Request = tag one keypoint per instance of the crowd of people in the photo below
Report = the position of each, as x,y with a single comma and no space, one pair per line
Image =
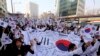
13,30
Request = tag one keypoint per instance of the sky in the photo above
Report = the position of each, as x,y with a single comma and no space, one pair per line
44,5
92,4
47,5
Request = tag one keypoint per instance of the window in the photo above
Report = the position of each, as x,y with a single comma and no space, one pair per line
72,0
62,1
64,13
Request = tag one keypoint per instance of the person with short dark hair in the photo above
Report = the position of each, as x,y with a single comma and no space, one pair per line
98,53
1,31
87,48
72,47
18,49
76,55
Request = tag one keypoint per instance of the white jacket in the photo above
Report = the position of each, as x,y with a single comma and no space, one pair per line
90,51
78,51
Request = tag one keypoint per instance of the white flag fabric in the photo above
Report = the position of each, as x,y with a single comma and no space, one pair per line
12,24
3,24
26,37
87,38
5,39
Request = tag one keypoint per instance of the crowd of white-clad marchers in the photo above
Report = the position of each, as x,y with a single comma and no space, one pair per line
36,37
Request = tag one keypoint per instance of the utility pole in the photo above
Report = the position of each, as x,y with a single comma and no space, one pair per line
12,6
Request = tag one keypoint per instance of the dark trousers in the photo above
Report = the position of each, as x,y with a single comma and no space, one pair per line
1,31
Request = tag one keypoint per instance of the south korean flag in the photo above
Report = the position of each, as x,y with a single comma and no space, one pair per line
90,29
12,24
3,24
5,39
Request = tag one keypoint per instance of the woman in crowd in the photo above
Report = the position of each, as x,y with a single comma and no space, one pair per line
87,49
17,49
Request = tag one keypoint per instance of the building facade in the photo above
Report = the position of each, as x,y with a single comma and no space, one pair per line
57,7
16,15
93,12
31,10
3,8
70,7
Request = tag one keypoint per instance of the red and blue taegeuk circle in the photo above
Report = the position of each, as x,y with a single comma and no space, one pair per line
88,30
63,44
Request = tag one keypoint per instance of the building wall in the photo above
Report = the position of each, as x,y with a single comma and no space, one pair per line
71,7
16,15
67,7
32,10
93,12
3,8
80,7
57,7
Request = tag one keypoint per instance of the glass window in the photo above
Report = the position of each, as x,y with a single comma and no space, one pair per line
68,7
